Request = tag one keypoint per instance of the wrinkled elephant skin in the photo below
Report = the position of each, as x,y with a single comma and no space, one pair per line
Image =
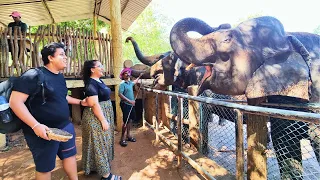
259,59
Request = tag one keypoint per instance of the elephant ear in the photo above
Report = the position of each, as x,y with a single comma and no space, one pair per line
286,75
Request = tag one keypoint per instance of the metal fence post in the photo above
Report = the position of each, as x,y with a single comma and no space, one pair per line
239,146
179,126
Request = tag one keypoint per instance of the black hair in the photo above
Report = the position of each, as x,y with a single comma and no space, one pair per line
86,70
49,50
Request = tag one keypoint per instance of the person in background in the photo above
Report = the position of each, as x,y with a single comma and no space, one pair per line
39,115
16,16
97,123
127,104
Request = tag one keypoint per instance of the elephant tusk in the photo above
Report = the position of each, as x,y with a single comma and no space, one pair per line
190,66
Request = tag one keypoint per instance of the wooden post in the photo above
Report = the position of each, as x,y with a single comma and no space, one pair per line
239,146
115,14
194,117
257,133
76,109
118,108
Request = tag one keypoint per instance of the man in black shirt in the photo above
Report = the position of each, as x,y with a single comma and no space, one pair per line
16,16
38,115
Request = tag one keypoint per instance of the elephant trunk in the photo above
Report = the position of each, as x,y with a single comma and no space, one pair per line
192,50
145,74
147,60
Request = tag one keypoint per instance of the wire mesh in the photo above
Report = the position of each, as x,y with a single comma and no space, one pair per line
293,147
173,123
217,126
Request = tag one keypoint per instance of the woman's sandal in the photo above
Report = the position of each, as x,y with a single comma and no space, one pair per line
112,177
123,143
131,139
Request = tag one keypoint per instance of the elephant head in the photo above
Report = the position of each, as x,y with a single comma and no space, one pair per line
167,69
255,58
138,69
164,67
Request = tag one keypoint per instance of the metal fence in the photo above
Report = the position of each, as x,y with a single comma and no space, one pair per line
287,139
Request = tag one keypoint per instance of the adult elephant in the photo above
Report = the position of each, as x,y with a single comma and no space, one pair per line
259,59
167,69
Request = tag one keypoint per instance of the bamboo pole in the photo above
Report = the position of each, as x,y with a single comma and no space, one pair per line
91,45
112,58
67,45
99,44
6,64
108,59
2,53
80,50
31,49
15,64
21,54
24,51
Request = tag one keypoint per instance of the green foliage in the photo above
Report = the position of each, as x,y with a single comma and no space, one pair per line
86,24
151,32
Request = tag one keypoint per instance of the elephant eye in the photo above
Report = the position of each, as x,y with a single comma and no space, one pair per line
227,39
224,56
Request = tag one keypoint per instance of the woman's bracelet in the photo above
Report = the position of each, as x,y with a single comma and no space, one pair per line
80,103
35,126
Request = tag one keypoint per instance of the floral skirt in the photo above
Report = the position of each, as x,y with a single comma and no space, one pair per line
97,145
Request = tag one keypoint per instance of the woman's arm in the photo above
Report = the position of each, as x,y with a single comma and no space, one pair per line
93,102
76,101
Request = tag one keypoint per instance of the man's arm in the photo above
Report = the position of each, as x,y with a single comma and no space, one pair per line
17,100
138,78
121,90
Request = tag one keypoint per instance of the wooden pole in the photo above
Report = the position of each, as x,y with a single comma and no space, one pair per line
194,117
239,146
115,14
257,142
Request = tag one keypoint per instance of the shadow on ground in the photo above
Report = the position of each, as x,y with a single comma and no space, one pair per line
139,160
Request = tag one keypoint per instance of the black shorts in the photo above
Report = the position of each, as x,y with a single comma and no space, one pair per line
126,108
44,152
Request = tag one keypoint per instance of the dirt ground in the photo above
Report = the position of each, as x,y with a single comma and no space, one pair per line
139,160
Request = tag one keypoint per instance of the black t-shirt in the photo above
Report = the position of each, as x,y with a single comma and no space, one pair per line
94,88
55,112
20,24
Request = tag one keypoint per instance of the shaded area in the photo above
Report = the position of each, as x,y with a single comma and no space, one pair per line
140,160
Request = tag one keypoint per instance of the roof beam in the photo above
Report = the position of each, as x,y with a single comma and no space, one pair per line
97,6
105,18
125,6
44,2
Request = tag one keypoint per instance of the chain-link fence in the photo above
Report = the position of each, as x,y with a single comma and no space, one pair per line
292,148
